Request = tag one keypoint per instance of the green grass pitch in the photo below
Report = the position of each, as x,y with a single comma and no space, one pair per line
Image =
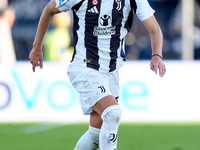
131,136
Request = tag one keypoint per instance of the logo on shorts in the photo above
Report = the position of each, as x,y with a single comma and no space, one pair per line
103,90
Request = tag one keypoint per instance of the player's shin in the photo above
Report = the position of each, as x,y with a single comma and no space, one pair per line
89,140
108,135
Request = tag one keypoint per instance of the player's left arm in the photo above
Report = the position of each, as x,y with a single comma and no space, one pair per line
156,43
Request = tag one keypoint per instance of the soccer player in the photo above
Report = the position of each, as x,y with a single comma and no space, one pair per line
99,29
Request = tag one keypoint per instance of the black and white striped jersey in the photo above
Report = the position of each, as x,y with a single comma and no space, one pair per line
100,27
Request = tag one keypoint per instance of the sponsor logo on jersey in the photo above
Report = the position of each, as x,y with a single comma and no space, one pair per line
105,26
104,30
105,20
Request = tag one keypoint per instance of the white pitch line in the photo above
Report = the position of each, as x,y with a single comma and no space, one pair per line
40,128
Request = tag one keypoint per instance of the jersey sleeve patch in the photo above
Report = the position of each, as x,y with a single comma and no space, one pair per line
63,5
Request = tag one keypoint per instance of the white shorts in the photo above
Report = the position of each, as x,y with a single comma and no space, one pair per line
93,85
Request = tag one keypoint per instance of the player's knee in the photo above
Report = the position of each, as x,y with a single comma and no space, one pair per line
112,114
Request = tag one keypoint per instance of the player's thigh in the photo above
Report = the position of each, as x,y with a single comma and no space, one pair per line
109,100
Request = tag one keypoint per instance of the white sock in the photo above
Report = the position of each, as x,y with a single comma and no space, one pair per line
89,140
108,134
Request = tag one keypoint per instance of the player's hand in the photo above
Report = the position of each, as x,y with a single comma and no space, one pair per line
157,64
36,57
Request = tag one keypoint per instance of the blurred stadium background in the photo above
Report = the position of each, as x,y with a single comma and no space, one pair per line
41,110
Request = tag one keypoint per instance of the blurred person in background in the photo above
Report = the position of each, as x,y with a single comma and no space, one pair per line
7,18
3,5
197,31
141,47
24,28
57,41
99,31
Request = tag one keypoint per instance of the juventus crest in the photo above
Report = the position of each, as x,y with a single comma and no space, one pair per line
119,4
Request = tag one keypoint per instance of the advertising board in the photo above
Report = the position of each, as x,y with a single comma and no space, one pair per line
47,94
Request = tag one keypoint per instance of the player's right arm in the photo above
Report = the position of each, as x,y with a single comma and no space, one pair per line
36,55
